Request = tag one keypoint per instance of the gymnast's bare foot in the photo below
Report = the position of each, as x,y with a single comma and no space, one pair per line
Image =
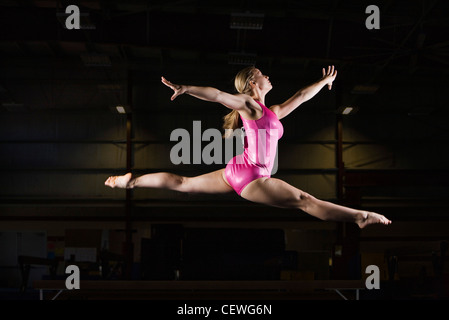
372,218
122,182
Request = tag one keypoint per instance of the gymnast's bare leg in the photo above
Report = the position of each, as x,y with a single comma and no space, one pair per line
278,193
268,191
212,183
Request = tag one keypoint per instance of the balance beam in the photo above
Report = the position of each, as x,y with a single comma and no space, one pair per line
203,286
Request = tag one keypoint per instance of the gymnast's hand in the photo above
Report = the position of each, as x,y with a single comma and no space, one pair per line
329,76
178,89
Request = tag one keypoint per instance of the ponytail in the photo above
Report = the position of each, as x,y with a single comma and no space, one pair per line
232,121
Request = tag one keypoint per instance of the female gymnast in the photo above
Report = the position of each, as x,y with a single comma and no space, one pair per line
249,174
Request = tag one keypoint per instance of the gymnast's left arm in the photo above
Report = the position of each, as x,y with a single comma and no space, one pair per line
305,94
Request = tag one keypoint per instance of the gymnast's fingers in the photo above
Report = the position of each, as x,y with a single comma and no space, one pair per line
166,82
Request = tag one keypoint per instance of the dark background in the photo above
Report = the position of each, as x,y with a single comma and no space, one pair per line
61,137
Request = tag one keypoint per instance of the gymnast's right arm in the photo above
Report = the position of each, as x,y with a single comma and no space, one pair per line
231,101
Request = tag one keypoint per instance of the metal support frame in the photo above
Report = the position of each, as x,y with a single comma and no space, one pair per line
338,291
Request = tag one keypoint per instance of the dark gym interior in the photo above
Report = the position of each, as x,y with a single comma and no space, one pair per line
62,136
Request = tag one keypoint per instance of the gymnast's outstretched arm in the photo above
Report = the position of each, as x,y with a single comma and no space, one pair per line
305,94
231,101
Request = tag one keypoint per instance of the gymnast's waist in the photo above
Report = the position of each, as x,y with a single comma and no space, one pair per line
244,159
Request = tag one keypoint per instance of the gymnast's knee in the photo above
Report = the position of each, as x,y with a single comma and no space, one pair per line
303,200
182,183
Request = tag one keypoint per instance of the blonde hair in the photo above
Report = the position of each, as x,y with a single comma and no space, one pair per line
241,82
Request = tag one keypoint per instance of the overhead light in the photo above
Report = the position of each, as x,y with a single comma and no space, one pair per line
120,109
347,110
242,58
253,21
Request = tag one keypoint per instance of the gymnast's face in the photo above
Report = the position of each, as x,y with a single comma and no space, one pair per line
262,81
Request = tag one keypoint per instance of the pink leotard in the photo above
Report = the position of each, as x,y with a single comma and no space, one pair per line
259,152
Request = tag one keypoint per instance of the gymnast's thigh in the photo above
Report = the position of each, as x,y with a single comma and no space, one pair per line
273,192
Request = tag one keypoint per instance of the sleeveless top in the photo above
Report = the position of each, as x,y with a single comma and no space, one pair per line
261,138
